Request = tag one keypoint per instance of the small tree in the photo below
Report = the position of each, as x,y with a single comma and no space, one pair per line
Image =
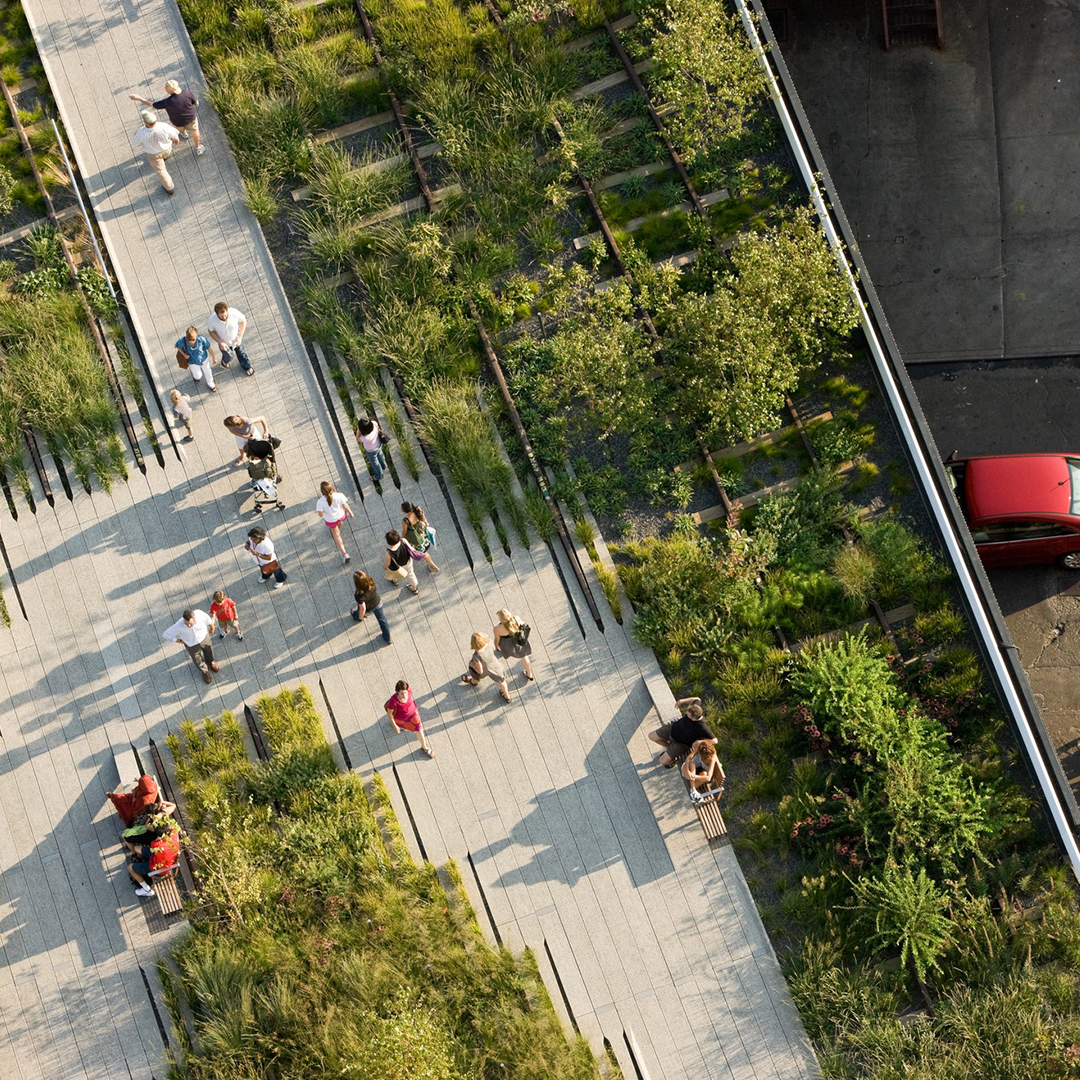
907,911
707,70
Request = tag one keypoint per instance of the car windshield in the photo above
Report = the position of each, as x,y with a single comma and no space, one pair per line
1074,484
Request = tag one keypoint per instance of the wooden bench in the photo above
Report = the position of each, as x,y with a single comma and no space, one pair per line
709,816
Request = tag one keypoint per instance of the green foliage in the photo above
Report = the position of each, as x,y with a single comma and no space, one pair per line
7,187
805,524
907,912
706,70
260,199
740,349
685,589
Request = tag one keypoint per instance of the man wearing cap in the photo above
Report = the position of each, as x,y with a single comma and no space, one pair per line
180,106
156,140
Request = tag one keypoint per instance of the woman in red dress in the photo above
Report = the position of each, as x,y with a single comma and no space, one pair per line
405,716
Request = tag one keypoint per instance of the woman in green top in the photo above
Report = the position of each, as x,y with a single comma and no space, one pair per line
418,534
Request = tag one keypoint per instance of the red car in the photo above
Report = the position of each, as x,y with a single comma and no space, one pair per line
1020,508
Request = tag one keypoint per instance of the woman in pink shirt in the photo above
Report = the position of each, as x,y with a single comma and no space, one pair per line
405,716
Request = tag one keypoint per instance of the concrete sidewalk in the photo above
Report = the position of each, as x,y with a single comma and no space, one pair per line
959,169
653,934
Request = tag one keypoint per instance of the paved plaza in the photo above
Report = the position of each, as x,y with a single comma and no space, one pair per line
552,805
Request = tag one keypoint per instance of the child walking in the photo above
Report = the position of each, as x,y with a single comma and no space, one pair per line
181,410
224,611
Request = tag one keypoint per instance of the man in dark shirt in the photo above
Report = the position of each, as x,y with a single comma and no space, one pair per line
680,735
180,105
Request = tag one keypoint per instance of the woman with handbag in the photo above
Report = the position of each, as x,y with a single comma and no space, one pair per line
261,549
194,354
511,640
485,662
398,562
418,534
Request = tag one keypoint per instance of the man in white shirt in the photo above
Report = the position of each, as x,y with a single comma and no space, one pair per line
156,140
195,631
226,326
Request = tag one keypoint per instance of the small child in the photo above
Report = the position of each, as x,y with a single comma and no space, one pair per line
224,610
182,411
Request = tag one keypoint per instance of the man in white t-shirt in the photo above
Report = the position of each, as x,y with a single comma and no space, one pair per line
195,632
226,326
156,140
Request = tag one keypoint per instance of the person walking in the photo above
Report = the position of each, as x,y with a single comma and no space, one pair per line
180,106
223,611
156,140
368,602
398,562
485,662
261,548
181,410
226,326
511,640
245,428
333,507
370,437
193,631
405,716
195,348
418,534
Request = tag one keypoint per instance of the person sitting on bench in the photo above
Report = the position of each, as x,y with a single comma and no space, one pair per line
157,853
681,734
143,797
702,769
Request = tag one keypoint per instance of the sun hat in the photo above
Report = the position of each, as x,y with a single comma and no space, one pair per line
172,86
148,117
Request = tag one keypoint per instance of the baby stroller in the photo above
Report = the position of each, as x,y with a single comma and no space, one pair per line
262,470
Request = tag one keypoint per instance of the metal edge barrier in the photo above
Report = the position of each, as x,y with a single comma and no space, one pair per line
999,652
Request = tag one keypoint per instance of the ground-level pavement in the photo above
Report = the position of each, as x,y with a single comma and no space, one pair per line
1021,408
553,805
959,169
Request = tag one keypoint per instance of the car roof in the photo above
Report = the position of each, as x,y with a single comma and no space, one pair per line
1007,485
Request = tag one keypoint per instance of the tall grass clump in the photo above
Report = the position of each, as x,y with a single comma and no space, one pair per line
319,940
465,441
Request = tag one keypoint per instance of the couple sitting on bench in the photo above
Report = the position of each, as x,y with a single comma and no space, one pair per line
686,739
151,835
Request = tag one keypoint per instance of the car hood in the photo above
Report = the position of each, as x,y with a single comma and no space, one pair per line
1004,486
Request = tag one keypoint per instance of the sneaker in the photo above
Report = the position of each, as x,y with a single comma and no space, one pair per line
278,584
144,890
200,150
239,636
185,135
222,635
346,559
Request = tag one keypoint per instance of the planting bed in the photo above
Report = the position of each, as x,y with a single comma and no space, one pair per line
658,292
63,377
317,939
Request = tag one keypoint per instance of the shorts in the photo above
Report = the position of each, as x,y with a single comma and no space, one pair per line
333,524
675,749
142,868
224,622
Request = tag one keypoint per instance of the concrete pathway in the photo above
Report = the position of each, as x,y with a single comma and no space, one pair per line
552,807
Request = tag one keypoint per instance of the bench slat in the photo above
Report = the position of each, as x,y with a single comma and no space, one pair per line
712,821
166,893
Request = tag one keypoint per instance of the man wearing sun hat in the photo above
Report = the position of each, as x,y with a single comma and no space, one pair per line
156,141
180,105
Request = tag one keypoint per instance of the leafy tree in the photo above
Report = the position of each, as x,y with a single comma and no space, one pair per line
707,70
775,311
907,911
